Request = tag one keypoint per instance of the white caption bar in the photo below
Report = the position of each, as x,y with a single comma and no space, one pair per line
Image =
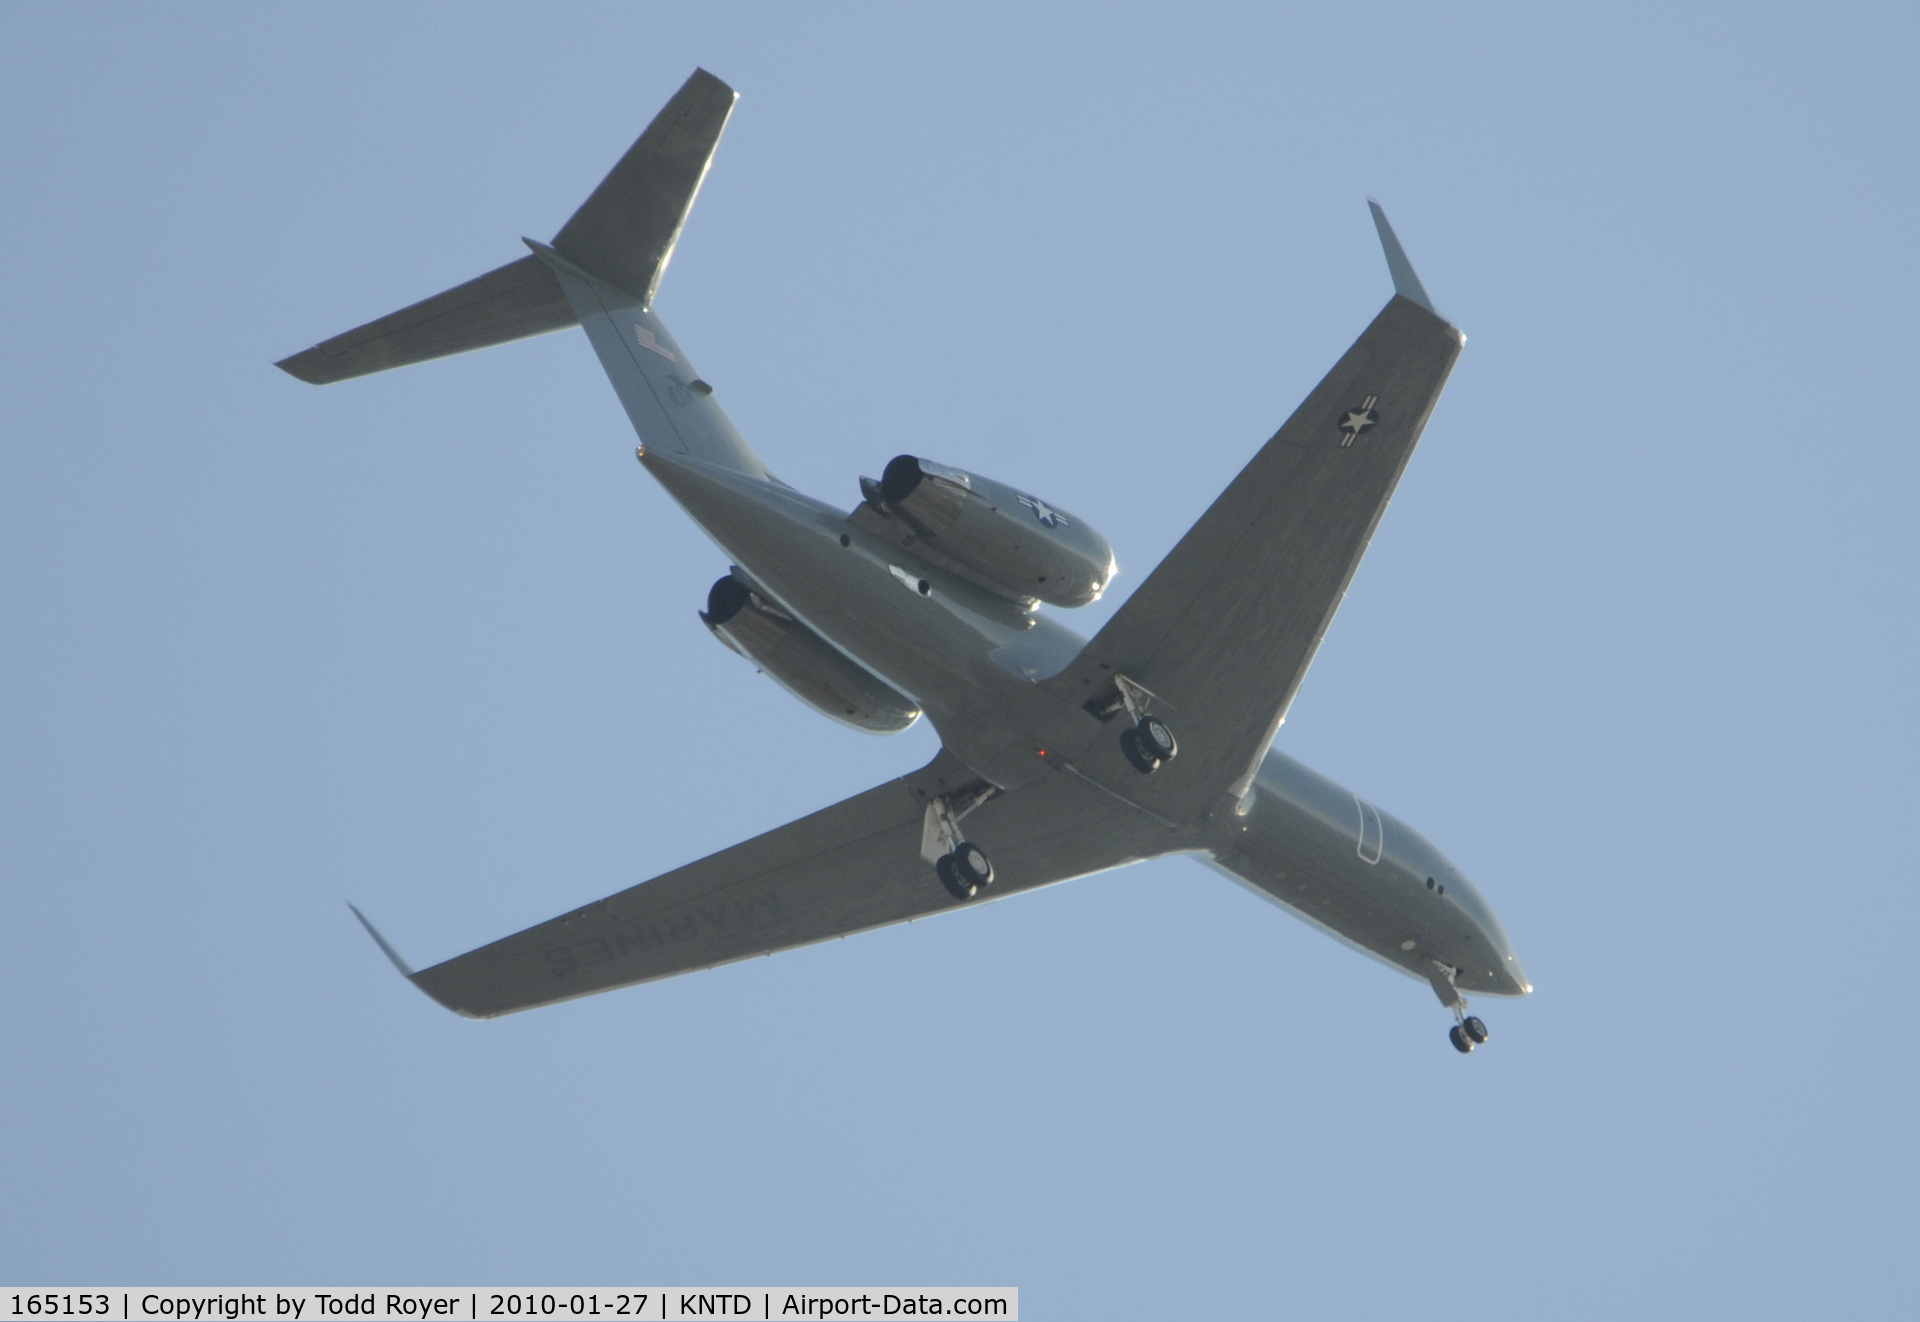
466,1304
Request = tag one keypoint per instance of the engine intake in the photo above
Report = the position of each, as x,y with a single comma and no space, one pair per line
802,662
1014,545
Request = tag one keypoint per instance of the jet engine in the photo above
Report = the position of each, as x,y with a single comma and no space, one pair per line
1012,544
802,662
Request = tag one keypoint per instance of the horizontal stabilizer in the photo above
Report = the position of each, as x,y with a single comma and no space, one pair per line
519,299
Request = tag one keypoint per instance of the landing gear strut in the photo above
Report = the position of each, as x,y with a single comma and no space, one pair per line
1148,741
962,866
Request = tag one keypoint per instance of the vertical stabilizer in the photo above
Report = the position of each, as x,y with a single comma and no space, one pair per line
624,234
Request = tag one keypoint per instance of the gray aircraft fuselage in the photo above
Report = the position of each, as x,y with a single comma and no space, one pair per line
974,662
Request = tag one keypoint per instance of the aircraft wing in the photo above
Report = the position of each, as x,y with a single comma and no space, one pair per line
1223,630
845,869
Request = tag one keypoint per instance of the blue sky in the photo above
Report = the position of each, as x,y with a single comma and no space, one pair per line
1635,645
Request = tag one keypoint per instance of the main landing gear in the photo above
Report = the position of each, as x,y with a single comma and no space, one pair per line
965,870
1148,741
962,866
1468,1031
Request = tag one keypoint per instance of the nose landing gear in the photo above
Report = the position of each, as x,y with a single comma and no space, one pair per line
1467,1034
1468,1031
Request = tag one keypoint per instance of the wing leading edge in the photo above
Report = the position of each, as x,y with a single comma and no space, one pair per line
849,868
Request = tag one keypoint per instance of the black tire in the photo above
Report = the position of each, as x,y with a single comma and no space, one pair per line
1461,1042
1475,1029
960,890
971,865
1155,739
1143,762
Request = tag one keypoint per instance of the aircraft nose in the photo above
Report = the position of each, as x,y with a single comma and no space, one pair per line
1513,978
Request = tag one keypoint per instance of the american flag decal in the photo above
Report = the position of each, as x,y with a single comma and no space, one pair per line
649,341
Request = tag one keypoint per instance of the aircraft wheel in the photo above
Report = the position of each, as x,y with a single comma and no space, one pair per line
1155,739
971,865
1475,1029
1461,1042
955,887
1143,762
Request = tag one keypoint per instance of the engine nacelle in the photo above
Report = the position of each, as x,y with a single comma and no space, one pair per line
802,662
1010,543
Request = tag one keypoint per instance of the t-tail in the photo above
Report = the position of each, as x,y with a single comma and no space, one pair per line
599,272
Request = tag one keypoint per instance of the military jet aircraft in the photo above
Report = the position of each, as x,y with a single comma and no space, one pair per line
1059,756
